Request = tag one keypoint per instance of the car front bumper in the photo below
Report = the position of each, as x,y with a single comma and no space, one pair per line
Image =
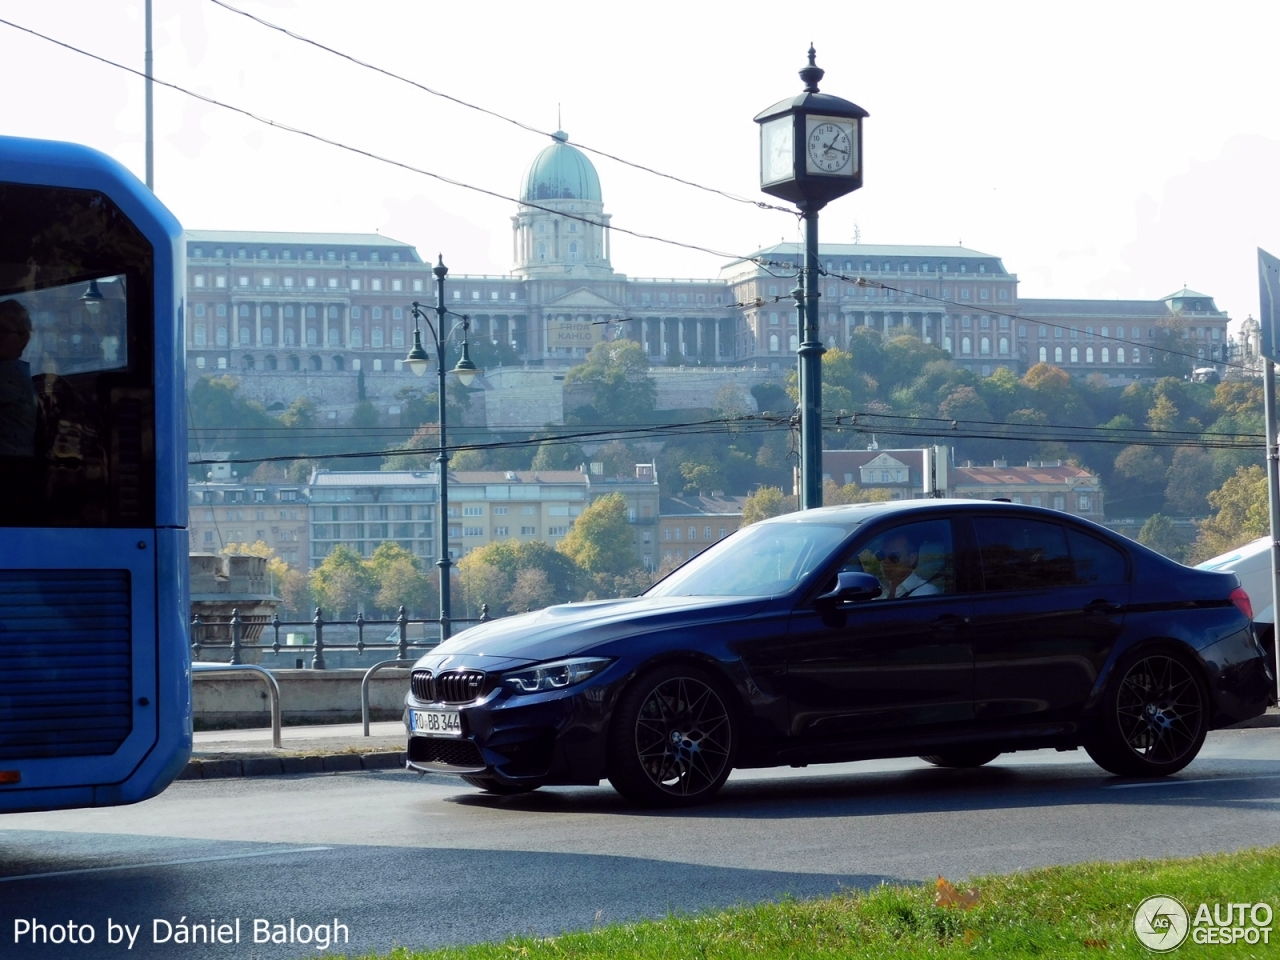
548,738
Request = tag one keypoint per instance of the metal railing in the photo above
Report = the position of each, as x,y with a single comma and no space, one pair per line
237,643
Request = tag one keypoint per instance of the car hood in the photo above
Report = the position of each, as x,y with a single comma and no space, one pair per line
573,628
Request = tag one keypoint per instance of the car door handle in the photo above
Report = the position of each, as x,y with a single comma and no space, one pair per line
948,621
1102,607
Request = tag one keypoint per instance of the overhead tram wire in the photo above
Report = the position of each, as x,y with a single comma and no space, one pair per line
864,282
862,423
493,113
369,154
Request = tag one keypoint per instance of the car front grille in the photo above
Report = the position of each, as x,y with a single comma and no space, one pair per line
453,753
452,686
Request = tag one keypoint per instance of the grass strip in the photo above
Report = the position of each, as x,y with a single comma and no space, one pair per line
1084,910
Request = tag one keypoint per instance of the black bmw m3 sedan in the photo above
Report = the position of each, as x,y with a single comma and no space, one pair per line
954,630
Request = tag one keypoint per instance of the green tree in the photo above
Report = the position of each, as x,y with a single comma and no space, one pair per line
600,539
301,415
342,583
1190,477
1242,514
397,579
558,456
618,373
484,583
426,439
765,502
1159,534
365,415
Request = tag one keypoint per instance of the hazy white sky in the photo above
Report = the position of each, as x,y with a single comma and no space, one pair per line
1102,149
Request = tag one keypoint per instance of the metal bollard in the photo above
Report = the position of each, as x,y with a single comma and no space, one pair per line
402,649
317,662
235,636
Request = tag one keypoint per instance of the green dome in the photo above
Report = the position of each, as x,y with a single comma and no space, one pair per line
560,172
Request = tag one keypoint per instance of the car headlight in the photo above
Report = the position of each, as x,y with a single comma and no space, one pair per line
555,675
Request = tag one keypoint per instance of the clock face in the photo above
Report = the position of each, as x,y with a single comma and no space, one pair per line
830,147
777,143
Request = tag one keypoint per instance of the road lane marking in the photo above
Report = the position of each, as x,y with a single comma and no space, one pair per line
163,863
1179,783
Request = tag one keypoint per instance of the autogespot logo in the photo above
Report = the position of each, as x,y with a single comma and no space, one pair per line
1161,924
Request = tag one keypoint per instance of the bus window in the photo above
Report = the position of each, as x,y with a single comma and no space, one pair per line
76,398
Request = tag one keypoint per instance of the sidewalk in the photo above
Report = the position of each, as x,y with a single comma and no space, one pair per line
304,749
323,749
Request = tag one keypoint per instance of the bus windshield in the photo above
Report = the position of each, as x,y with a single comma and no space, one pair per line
76,424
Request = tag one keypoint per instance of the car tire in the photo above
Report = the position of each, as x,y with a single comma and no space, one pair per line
1153,717
490,785
673,739
962,757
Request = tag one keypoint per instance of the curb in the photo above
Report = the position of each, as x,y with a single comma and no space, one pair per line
226,767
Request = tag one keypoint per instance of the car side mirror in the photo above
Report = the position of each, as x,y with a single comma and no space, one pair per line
852,587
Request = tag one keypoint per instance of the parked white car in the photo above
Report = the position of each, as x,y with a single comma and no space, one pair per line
1252,565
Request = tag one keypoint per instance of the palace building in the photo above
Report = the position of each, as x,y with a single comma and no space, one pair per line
305,314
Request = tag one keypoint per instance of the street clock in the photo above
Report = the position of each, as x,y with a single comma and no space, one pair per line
811,145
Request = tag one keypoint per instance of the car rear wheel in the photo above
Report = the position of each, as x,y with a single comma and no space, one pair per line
490,785
673,738
962,757
1154,717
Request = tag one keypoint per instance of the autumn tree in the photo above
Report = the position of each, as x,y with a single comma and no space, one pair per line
765,502
600,539
1242,514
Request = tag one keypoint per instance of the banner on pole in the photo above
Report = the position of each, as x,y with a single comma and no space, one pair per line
1269,303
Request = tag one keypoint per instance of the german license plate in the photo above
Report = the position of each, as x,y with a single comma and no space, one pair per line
436,723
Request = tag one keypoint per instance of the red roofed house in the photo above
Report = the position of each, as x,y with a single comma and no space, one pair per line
1053,484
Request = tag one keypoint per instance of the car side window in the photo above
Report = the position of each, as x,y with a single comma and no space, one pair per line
1023,554
1095,560
911,560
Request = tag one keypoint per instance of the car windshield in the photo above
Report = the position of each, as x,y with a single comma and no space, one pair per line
761,560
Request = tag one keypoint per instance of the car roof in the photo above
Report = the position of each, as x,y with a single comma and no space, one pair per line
861,512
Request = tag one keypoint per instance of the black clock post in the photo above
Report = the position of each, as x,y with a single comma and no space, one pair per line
810,153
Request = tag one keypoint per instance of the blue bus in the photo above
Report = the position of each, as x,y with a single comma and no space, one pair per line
95,686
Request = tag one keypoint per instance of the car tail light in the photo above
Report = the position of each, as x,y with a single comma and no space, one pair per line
1241,600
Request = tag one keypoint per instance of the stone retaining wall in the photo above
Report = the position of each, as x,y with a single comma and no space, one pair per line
306,696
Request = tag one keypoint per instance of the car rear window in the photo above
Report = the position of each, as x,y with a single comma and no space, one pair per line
1023,554
1096,561
1019,553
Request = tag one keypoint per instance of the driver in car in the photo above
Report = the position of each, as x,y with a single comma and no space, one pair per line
911,571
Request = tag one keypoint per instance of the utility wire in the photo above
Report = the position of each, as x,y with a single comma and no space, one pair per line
493,113
360,151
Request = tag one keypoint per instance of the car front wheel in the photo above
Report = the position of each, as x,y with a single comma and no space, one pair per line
1154,717
673,738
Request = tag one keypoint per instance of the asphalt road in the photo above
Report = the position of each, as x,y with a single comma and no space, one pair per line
427,861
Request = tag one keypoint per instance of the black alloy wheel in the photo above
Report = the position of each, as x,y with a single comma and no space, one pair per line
673,738
490,785
1154,717
962,757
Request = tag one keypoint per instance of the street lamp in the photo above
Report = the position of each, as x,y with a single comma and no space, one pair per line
810,154
417,361
92,297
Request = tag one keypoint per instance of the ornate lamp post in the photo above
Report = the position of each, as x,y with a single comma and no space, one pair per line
466,371
811,153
